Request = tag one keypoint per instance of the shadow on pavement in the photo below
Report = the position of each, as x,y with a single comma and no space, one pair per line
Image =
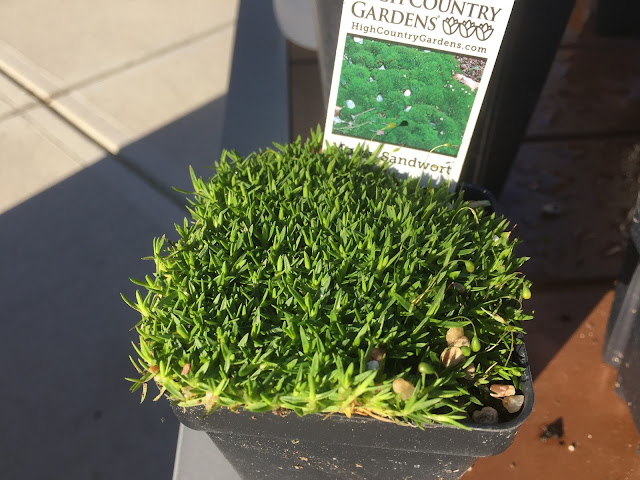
67,254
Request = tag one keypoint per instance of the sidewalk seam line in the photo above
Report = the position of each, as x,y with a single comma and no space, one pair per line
47,97
174,47
125,162
157,186
48,101
18,111
47,134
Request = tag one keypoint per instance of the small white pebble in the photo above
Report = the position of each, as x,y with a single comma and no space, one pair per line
350,104
572,447
513,403
379,98
382,68
358,40
407,108
500,390
407,93
373,364
589,435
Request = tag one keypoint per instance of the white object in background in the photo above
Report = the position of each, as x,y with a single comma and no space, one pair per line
296,19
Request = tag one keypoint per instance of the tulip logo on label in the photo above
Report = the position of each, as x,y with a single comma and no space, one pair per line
467,29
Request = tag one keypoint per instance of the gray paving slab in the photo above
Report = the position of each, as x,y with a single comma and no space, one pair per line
162,115
193,140
146,97
57,45
146,82
5,107
74,228
29,161
13,97
258,99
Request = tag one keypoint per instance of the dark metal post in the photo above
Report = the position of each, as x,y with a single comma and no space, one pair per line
528,51
618,18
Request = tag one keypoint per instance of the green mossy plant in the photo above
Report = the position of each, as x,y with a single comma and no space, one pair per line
383,84
312,281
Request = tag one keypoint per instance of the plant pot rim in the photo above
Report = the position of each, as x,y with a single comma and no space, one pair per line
479,441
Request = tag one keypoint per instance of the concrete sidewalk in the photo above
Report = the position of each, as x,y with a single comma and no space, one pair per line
102,108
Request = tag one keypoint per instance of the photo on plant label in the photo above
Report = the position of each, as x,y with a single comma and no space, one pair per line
403,95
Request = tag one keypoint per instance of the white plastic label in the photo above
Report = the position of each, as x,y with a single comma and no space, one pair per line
411,76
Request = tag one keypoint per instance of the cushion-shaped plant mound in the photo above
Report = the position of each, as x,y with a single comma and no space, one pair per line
311,281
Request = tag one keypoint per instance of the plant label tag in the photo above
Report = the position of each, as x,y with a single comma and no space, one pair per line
410,77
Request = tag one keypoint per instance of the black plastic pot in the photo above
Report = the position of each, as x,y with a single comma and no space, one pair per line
473,192
622,341
315,447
